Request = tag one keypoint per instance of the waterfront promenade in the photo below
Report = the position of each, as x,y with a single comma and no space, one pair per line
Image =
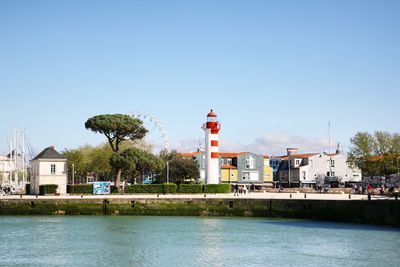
253,195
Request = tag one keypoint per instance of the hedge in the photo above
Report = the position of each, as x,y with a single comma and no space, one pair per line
190,188
217,188
80,189
151,188
114,189
144,189
169,188
46,189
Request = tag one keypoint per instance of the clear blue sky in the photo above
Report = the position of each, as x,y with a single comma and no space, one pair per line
274,71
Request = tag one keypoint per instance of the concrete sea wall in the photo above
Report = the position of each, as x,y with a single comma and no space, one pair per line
383,212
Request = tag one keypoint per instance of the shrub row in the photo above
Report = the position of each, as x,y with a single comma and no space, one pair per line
190,188
217,188
151,188
80,189
114,189
155,189
47,189
172,188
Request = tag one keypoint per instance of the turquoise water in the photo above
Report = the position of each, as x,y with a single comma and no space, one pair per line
193,241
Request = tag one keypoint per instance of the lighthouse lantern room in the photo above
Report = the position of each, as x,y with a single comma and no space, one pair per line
211,129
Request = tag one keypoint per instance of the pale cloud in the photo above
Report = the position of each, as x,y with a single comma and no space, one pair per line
271,144
185,145
276,144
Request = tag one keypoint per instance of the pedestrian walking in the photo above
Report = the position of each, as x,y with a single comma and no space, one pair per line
236,190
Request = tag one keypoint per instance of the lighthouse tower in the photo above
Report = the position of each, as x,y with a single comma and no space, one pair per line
211,129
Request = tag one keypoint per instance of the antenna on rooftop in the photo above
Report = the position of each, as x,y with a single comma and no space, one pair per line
329,133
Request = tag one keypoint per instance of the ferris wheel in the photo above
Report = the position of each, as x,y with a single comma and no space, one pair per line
156,135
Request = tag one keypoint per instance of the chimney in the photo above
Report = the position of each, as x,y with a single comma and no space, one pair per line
292,151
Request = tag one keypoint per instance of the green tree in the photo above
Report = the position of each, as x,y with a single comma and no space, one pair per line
98,161
361,152
78,158
382,146
117,128
376,154
134,161
395,151
180,169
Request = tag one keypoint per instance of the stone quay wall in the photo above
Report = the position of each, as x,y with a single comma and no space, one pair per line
382,212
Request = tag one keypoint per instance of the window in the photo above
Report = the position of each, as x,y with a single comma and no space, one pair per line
53,169
297,162
250,162
304,175
229,161
222,161
250,176
89,178
332,163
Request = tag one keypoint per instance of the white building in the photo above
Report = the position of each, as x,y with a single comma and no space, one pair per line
49,167
307,170
10,166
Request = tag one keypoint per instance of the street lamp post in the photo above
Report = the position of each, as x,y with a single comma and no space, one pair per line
73,173
289,171
73,177
167,171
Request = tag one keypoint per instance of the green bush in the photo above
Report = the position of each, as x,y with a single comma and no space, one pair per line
27,189
217,188
47,189
190,188
169,188
114,189
144,189
80,189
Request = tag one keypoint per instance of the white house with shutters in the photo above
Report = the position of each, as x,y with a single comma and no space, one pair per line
307,170
49,167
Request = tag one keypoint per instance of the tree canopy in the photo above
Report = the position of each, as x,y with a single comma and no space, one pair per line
375,154
87,160
102,162
117,128
134,161
180,169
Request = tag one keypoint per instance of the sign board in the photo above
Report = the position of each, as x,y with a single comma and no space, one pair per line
101,188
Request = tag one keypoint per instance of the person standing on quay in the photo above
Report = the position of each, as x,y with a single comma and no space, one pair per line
236,190
369,188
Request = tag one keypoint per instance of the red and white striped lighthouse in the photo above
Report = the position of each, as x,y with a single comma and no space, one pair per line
211,128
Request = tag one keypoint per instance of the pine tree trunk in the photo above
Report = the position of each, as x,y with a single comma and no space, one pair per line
118,179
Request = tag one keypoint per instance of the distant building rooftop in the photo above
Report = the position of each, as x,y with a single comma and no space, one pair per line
49,153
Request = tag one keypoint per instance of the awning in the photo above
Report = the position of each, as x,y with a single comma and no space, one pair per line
332,179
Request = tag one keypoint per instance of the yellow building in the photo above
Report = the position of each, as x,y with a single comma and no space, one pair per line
229,173
268,172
